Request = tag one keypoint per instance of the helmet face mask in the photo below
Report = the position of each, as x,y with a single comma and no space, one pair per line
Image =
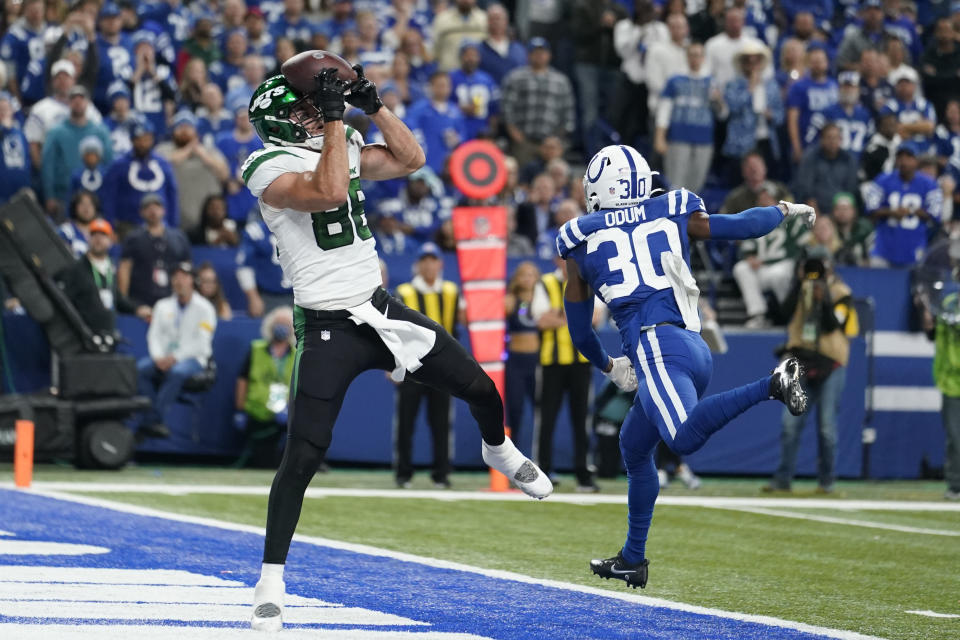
617,176
282,115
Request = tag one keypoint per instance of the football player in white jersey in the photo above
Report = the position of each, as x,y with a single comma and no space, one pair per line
307,179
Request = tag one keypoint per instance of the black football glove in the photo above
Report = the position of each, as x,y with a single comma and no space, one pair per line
363,93
328,94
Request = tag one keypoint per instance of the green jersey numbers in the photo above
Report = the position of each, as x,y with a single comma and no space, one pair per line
337,227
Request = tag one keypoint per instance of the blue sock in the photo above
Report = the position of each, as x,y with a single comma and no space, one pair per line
644,485
716,411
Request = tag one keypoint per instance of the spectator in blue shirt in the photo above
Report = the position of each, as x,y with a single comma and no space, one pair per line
875,90
258,270
899,26
948,140
254,72
684,118
418,212
236,145
227,72
808,96
132,176
340,20
499,54
24,49
121,119
438,123
75,231
153,84
293,24
756,109
259,39
902,204
15,157
89,176
916,116
855,122
475,92
212,117
114,55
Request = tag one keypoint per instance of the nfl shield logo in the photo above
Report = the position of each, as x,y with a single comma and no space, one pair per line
324,335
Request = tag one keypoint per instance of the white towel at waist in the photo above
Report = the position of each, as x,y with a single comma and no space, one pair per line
684,286
408,342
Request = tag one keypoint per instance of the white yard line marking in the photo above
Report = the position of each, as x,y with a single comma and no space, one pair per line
488,496
934,614
165,594
85,575
37,548
854,523
456,566
99,632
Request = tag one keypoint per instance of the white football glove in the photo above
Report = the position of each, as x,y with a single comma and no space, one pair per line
806,212
622,374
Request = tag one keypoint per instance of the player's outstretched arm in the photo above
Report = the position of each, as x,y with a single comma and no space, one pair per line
752,223
578,304
401,155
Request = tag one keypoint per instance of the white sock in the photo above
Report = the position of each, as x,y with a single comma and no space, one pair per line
503,447
273,571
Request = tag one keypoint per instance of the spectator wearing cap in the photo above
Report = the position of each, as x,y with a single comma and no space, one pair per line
808,96
15,159
825,170
940,66
24,51
499,53
440,301
414,216
54,109
475,92
235,145
461,21
855,122
149,253
259,40
879,155
684,123
61,150
915,115
114,54
135,174
180,342
666,58
199,170
89,176
902,204
83,209
293,24
631,39
868,35
755,107
855,232
537,101
253,74
722,49
121,119
91,283
154,88
228,71
438,122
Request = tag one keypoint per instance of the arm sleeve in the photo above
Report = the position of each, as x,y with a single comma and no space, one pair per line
585,338
752,223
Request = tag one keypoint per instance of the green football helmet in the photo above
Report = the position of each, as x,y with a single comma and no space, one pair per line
280,114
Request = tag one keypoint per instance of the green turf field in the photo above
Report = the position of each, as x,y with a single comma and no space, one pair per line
836,575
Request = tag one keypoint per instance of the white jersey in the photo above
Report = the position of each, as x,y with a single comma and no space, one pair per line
329,256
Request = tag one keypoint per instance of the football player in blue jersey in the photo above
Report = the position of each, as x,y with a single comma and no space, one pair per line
632,248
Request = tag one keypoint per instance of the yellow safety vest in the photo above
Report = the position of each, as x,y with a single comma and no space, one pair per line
439,307
556,345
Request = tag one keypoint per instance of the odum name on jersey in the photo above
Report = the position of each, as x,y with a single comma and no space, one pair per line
617,217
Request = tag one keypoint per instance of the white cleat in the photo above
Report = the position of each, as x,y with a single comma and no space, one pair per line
268,605
508,460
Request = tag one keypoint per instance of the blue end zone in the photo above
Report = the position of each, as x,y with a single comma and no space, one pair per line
448,600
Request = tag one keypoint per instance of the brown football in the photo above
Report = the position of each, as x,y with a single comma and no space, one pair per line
301,68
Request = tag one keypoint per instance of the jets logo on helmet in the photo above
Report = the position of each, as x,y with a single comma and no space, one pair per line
282,115
617,176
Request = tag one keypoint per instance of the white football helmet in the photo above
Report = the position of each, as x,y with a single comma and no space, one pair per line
617,176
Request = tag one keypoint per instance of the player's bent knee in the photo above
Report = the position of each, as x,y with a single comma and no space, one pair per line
481,391
301,459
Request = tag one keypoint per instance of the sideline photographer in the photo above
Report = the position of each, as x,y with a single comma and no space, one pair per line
822,322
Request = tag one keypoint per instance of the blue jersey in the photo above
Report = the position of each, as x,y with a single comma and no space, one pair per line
26,51
115,62
439,131
914,111
810,97
856,128
302,30
691,118
948,146
239,204
637,258
14,162
902,241
258,251
479,90
87,179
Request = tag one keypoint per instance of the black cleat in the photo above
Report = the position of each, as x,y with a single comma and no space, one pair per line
616,567
785,386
